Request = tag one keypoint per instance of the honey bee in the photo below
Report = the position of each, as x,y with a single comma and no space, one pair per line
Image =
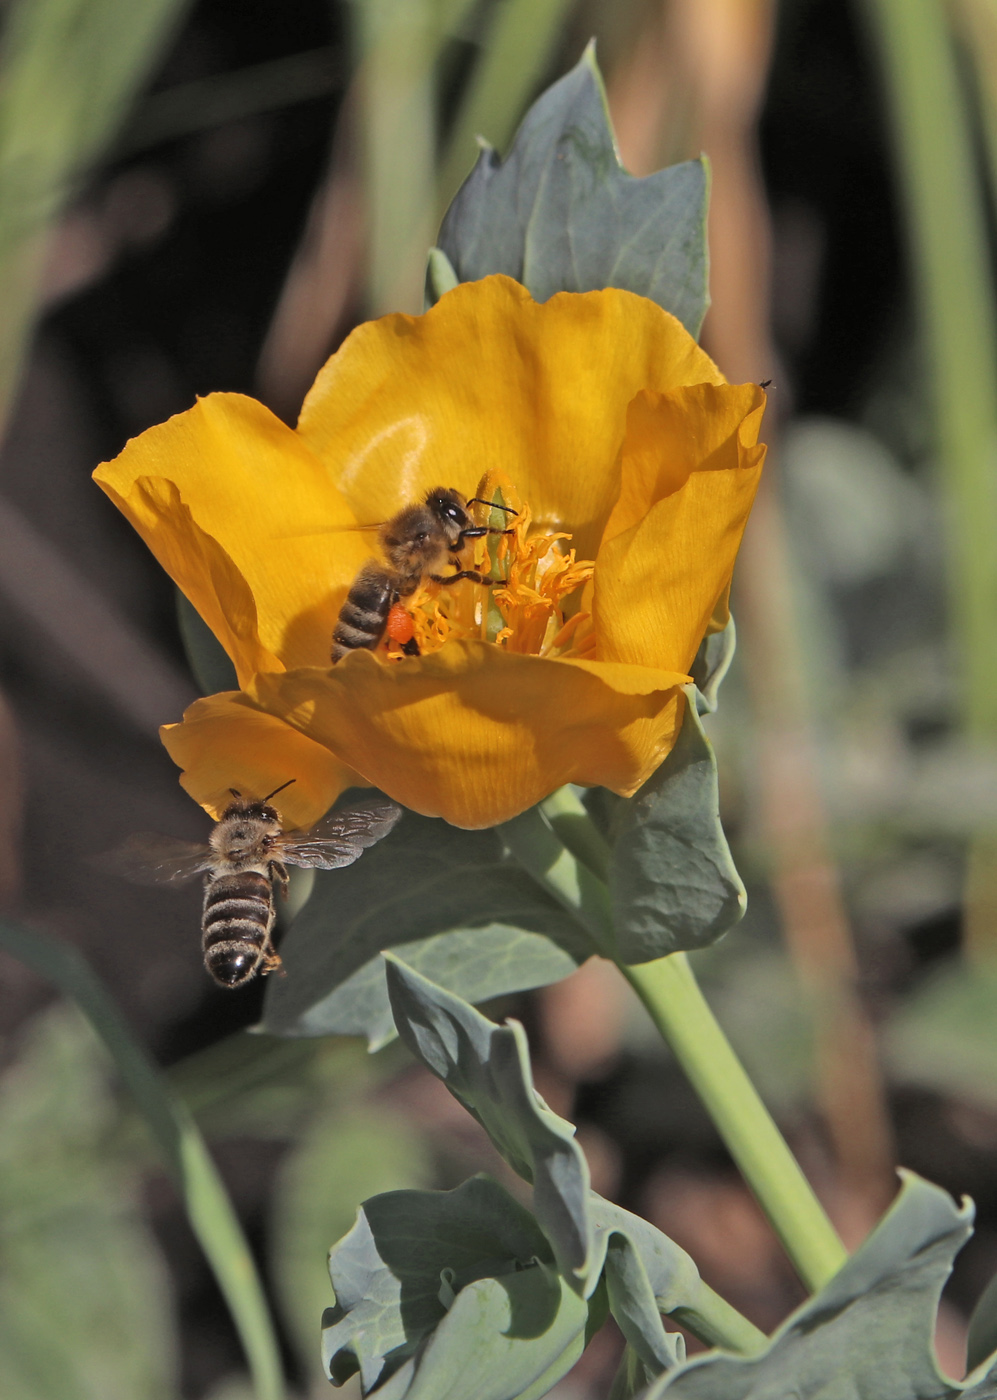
418,543
245,856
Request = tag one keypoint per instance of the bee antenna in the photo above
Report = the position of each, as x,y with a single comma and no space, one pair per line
278,789
495,505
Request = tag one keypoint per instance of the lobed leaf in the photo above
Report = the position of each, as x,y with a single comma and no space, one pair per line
868,1333
443,1293
561,214
487,1069
452,901
648,1274
672,879
348,1152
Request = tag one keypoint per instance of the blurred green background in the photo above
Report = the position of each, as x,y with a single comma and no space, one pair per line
209,196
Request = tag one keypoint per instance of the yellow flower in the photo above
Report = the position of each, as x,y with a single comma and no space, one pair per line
597,413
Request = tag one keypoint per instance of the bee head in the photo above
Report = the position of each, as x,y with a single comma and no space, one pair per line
259,812
449,508
254,809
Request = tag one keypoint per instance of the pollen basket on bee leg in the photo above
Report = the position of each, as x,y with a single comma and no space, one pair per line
400,626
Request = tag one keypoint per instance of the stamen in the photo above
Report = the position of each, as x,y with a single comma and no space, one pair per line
535,573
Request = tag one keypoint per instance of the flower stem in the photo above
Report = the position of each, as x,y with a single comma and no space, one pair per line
671,994
675,1003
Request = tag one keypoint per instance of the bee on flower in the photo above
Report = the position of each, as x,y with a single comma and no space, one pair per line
630,466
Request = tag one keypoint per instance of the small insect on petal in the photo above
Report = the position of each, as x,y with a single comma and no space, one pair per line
400,626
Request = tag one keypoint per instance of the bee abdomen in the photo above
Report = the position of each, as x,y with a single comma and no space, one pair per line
235,918
235,930
364,615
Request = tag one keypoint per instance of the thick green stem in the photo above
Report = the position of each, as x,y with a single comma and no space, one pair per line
671,994
712,1319
669,991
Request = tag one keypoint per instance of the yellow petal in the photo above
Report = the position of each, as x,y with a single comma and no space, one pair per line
230,470
690,465
490,378
224,743
475,734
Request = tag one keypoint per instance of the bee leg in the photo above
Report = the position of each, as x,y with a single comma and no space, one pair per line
477,532
280,876
271,962
461,573
411,647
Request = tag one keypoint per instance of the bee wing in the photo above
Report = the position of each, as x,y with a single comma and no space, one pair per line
331,530
341,837
147,858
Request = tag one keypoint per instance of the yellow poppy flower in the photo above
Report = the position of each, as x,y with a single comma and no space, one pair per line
632,466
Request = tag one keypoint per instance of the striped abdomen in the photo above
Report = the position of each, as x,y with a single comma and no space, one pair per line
364,615
235,930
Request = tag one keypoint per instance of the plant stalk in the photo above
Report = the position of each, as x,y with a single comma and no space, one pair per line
671,994
954,284
675,1003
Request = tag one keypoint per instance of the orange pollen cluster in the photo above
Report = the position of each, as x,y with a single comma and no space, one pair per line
524,610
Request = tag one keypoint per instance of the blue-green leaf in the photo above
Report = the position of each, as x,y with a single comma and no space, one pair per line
487,1068
672,880
451,902
648,1274
868,1333
449,1293
486,1347
716,652
981,1339
561,214
346,1154
440,276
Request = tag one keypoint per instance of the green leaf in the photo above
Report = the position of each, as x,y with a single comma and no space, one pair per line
68,71
631,1378
209,662
631,1295
450,901
522,36
672,879
440,277
487,1069
648,1274
449,1293
712,663
561,214
867,1333
341,1158
209,1209
85,1310
486,1348
944,1037
981,1340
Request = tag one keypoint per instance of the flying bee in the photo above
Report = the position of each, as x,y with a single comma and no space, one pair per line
418,544
246,854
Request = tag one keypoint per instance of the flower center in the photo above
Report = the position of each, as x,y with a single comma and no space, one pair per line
524,608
